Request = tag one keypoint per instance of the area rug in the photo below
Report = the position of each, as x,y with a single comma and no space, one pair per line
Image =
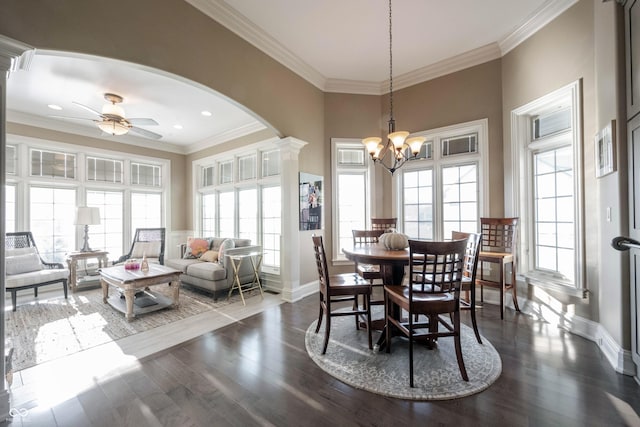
49,328
436,373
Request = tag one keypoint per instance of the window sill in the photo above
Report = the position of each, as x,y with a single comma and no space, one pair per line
555,285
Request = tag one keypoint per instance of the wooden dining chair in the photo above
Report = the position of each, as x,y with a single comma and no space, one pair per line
499,245
368,272
383,223
339,288
434,291
469,271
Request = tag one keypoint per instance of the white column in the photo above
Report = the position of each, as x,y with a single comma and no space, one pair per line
10,52
290,237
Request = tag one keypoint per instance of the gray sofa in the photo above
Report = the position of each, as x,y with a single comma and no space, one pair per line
214,277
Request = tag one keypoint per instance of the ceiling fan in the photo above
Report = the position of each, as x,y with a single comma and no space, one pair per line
112,119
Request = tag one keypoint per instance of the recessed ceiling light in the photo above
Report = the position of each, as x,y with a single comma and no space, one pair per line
177,126
54,107
206,113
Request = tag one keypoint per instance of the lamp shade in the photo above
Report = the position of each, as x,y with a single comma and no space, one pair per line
87,216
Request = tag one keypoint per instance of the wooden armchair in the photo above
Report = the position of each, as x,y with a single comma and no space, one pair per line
146,241
25,269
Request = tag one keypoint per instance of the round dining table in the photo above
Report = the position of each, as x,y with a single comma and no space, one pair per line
392,262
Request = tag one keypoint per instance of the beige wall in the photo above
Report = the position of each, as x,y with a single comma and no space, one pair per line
581,44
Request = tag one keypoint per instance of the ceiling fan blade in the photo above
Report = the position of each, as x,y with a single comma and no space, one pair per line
71,118
145,133
88,108
141,121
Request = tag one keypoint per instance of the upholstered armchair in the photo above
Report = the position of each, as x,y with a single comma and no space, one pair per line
148,242
25,269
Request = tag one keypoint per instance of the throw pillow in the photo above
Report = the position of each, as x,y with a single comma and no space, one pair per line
226,244
23,263
196,247
209,256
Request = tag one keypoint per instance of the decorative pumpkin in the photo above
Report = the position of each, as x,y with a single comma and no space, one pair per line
394,241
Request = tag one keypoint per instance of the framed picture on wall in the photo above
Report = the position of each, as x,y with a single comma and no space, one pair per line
605,150
310,201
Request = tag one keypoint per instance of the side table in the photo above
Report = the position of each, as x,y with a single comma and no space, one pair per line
236,261
72,262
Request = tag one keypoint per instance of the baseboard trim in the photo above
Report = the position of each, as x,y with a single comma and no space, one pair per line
300,292
619,358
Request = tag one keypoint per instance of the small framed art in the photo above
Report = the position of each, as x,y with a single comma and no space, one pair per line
605,150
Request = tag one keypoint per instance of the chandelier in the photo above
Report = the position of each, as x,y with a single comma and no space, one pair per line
395,152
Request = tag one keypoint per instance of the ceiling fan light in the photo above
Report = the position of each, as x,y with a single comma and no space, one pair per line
113,127
112,110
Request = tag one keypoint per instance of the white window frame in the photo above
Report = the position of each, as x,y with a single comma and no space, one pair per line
521,203
437,162
233,157
338,258
23,180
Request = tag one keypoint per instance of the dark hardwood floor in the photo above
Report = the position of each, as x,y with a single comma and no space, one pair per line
257,372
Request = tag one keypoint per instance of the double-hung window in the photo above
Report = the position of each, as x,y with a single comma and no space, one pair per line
546,152
352,206
443,189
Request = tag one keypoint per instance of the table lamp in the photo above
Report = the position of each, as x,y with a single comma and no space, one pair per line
87,216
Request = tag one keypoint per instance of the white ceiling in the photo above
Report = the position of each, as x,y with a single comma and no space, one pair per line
337,45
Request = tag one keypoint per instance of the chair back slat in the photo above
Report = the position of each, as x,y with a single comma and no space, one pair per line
383,223
436,267
321,262
474,241
364,237
499,234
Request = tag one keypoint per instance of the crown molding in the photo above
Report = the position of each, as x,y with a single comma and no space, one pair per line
229,135
359,87
442,68
14,55
547,13
225,15
447,66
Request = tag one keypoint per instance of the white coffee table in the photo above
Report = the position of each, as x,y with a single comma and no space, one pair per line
130,282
